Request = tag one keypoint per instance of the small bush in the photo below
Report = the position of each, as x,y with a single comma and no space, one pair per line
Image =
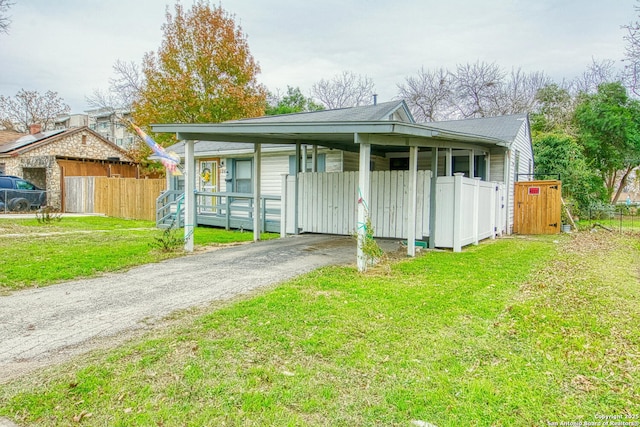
48,215
169,240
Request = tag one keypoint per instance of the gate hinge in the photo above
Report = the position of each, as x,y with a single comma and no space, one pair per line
555,224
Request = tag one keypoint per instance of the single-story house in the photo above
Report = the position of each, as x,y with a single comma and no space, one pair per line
45,158
361,157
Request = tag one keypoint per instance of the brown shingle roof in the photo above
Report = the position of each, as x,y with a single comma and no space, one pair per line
9,135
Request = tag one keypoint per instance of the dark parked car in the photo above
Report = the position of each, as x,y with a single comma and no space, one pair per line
17,194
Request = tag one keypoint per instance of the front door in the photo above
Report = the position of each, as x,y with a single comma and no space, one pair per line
208,183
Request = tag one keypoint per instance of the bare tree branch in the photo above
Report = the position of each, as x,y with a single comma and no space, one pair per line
597,72
30,107
4,19
632,55
477,89
344,90
124,88
428,94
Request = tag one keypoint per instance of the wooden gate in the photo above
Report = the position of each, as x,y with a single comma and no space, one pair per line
537,207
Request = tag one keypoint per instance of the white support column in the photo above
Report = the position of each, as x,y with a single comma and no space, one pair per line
314,159
189,195
364,177
283,206
449,162
304,158
296,204
257,205
472,170
413,201
487,164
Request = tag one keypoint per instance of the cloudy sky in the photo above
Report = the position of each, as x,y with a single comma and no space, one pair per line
70,46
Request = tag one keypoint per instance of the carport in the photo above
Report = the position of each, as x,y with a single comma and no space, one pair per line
364,137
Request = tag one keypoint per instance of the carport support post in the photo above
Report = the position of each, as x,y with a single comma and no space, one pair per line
296,190
257,166
413,201
364,176
189,195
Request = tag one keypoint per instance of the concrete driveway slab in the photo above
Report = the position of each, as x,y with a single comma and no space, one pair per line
40,327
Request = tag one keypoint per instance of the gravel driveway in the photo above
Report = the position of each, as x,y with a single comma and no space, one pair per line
45,326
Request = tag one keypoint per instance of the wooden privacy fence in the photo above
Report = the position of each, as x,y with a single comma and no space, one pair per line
537,207
118,197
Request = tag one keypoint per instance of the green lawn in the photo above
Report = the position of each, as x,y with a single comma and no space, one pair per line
514,332
36,254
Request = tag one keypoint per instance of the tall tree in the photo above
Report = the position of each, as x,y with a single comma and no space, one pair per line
293,102
4,18
608,124
203,71
518,92
428,94
553,111
30,107
632,54
344,90
477,89
559,153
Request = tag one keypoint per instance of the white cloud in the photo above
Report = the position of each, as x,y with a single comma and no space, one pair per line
70,45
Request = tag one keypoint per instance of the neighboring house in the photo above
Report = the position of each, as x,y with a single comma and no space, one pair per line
69,121
45,158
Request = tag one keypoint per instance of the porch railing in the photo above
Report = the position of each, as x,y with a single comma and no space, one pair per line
220,209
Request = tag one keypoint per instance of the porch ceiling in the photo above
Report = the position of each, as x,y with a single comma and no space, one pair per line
384,136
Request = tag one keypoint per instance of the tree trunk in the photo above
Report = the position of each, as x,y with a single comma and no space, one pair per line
623,183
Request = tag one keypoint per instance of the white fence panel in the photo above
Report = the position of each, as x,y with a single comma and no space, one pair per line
486,210
467,210
444,212
329,203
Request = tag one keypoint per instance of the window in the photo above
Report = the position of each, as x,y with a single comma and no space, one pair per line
24,185
5,183
516,166
321,164
399,164
2,168
461,165
480,166
242,172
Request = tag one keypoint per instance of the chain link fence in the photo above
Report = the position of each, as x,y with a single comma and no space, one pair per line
619,218
24,201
